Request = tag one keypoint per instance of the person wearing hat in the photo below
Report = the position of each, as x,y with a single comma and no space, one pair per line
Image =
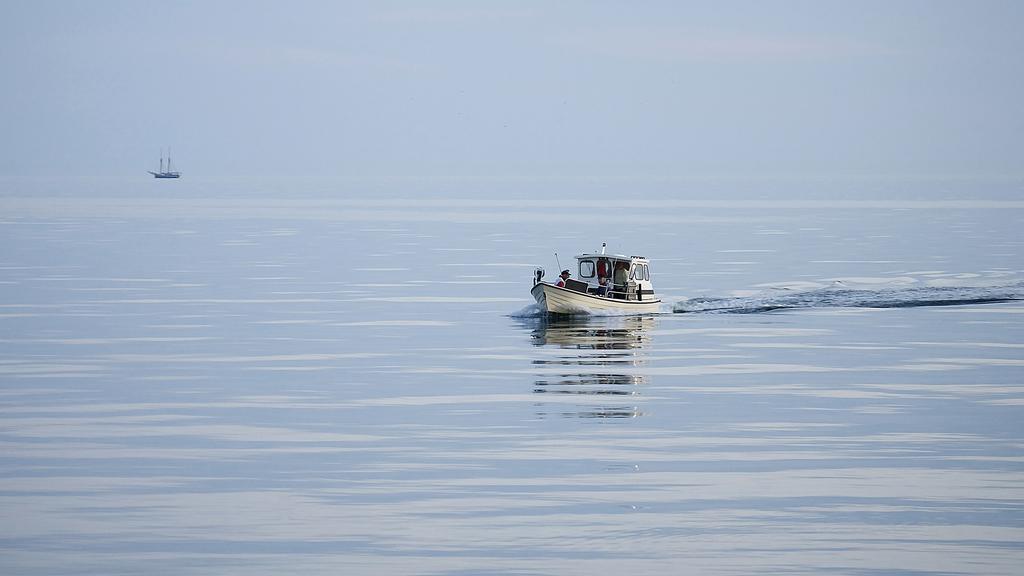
562,278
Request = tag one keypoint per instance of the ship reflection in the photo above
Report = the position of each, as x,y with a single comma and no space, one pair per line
594,360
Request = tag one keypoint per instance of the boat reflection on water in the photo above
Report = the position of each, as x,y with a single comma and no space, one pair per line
596,360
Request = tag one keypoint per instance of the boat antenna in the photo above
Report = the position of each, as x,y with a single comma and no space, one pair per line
559,263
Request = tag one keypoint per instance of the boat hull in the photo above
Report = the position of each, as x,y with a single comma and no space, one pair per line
556,300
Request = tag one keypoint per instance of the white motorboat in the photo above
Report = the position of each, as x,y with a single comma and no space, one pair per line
604,283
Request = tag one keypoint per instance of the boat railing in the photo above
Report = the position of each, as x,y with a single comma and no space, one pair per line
628,291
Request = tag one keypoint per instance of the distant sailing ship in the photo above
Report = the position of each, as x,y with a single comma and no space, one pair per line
169,173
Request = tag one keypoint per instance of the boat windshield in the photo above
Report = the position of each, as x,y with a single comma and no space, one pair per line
593,269
587,268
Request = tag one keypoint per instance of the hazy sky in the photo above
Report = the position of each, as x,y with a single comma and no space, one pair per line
513,90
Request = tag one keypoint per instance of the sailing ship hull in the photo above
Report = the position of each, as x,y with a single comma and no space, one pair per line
556,300
166,174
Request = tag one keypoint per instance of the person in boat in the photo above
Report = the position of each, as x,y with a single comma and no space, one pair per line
620,277
562,278
602,286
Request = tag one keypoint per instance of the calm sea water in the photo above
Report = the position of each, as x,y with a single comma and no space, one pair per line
362,387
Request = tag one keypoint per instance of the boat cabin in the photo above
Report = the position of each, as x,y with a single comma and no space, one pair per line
614,276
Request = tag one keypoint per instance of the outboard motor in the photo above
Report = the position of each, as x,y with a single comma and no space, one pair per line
538,273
